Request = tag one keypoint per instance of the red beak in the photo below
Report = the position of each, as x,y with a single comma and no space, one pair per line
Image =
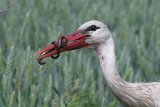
72,41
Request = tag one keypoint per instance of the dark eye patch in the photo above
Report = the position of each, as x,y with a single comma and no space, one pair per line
92,28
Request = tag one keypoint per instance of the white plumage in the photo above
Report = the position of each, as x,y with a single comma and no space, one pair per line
129,94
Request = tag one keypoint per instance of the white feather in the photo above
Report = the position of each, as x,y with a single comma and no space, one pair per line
129,94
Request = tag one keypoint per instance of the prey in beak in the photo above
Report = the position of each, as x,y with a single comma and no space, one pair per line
72,41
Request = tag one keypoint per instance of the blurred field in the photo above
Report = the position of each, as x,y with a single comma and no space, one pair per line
75,79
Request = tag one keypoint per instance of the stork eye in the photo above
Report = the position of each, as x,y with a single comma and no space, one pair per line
93,28
90,28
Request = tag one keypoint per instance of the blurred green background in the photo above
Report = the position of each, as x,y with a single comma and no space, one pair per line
75,79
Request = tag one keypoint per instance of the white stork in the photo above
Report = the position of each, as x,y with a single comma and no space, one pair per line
97,35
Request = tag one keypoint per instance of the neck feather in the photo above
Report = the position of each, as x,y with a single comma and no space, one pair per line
124,91
107,58
106,54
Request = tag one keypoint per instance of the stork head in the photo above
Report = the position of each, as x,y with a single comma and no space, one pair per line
97,32
90,34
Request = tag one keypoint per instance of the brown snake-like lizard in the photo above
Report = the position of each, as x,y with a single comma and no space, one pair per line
8,6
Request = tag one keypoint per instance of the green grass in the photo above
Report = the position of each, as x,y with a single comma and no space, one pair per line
75,79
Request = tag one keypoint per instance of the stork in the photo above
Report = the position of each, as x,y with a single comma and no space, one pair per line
95,34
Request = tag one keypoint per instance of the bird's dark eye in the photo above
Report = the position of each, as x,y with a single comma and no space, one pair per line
93,28
90,28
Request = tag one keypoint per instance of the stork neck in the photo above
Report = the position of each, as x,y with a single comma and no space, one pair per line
124,91
107,58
